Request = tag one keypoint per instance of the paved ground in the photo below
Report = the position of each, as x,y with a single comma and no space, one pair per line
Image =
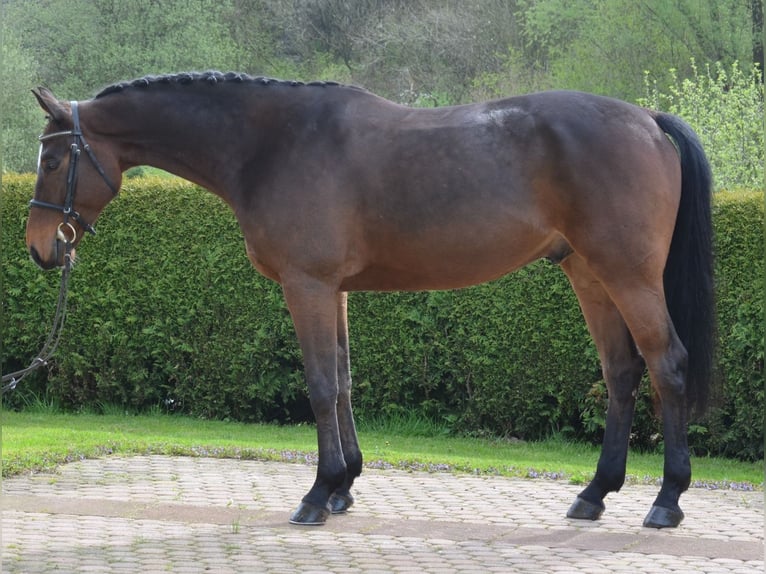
196,515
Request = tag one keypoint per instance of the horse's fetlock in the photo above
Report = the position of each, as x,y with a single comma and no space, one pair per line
354,464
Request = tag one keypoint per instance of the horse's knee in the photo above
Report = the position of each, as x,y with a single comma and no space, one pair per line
323,397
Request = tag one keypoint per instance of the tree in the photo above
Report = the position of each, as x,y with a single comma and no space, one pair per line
82,45
21,118
604,46
408,50
724,104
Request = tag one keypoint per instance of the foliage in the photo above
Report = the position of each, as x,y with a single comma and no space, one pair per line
81,45
405,50
511,76
737,424
725,107
165,310
603,46
20,119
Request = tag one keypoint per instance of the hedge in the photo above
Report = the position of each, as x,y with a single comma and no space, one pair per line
166,310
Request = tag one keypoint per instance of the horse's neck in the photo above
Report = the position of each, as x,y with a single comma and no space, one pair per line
190,145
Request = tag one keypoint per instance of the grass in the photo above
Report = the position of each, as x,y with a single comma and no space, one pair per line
40,440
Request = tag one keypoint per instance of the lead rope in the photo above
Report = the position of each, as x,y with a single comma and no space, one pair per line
54,337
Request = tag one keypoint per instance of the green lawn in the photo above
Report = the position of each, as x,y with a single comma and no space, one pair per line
38,441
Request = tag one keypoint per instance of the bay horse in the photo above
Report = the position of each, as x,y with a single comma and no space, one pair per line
336,190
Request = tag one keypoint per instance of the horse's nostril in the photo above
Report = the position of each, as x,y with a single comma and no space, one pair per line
35,256
33,253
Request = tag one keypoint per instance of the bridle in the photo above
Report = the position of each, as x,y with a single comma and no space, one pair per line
10,380
67,208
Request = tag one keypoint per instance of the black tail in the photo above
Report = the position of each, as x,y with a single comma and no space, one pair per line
689,270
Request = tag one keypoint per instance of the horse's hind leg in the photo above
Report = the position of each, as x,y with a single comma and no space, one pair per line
645,312
638,293
622,368
341,500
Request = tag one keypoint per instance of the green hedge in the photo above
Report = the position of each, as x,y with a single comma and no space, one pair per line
165,309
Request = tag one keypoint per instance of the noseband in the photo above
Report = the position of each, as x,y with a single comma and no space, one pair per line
77,146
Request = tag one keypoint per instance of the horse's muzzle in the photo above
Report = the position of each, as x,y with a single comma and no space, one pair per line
56,260
45,264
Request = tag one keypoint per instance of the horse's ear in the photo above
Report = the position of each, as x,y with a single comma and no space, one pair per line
50,104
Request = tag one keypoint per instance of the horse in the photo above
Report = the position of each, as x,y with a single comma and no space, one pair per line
336,189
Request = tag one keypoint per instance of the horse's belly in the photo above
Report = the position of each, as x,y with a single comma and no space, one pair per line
420,268
376,278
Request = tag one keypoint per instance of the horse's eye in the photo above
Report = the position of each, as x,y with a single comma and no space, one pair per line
51,164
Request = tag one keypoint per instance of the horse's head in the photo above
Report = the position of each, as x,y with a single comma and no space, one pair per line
71,191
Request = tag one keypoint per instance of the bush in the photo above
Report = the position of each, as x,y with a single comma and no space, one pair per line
736,424
725,108
165,309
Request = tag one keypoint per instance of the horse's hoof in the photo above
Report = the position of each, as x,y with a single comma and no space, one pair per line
585,510
661,517
340,503
308,514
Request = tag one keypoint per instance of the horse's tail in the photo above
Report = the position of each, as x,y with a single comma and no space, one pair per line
688,277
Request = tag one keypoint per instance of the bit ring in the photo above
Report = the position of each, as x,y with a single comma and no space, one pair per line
61,235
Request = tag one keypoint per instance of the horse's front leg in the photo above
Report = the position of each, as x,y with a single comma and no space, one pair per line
341,500
313,306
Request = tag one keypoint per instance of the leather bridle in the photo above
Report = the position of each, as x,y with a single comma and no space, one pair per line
67,208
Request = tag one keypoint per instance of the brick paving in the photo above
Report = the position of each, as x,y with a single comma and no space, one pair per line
157,514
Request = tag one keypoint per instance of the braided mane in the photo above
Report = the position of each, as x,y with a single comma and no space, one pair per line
211,77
